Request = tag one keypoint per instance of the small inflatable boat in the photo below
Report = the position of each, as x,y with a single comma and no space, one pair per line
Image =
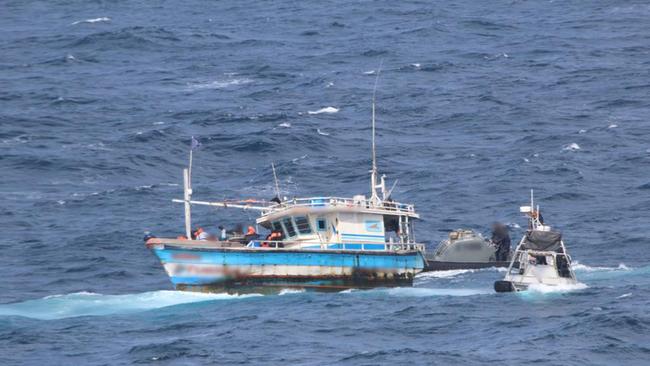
467,249
539,259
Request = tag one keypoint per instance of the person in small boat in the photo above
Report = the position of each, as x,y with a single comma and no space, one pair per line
501,238
535,215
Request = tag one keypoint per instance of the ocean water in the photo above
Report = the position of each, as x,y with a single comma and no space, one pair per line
478,102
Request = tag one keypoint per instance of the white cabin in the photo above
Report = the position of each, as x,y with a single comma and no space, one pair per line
331,221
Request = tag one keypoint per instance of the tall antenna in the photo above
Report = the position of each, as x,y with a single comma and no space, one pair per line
532,202
391,189
277,185
373,176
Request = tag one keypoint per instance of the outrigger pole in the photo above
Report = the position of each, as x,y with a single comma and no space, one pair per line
220,204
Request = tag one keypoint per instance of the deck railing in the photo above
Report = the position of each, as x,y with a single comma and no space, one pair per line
271,244
342,202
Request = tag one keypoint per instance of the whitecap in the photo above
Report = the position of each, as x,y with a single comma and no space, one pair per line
369,72
330,84
582,131
321,132
285,125
94,20
218,84
612,126
295,160
571,147
93,304
416,65
624,295
158,123
324,110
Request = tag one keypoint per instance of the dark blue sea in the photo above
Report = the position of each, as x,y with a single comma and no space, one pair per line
478,102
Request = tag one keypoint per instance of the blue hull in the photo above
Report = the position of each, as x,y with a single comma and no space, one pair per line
243,266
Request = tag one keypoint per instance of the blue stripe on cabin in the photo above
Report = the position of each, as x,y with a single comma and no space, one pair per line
363,235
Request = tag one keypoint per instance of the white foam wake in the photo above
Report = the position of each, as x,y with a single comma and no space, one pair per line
444,274
324,110
456,272
94,20
288,291
430,292
579,267
92,304
547,289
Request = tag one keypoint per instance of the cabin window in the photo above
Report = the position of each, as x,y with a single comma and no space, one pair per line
302,224
275,226
288,225
321,224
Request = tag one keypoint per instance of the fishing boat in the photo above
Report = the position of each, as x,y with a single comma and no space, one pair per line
540,258
320,242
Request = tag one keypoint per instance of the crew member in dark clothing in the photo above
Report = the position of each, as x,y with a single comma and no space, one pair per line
501,238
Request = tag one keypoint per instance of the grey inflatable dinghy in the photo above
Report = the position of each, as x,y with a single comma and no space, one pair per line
467,249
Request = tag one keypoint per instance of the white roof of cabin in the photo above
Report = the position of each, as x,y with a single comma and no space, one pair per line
323,205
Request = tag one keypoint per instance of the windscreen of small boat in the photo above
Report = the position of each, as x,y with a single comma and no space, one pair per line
542,240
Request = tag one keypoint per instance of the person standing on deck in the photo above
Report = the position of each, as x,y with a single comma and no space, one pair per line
222,234
501,239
